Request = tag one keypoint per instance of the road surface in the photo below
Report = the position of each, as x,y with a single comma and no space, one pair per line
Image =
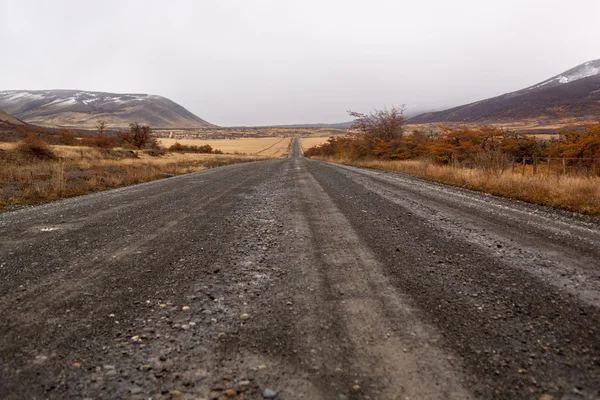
298,279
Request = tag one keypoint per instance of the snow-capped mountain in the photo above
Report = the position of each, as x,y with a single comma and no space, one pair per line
574,93
584,70
81,109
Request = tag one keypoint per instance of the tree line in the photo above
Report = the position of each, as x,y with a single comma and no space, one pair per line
381,134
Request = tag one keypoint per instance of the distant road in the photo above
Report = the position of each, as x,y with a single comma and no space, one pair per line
298,279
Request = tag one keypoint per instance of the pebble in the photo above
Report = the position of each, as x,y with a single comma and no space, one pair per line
136,390
185,327
230,393
185,308
112,372
244,316
207,312
269,394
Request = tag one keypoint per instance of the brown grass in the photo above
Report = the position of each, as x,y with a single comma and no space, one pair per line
308,142
79,170
572,193
270,146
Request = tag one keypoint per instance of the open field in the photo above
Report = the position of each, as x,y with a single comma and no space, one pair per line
546,128
572,193
79,170
308,142
243,133
271,147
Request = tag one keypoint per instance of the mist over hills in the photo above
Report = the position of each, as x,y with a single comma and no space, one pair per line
83,109
573,93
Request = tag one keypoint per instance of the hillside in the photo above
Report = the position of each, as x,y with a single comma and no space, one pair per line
80,109
5,117
573,94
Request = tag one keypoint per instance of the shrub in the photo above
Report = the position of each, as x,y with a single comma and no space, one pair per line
33,146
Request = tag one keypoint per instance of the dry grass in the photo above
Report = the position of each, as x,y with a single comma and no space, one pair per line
308,142
271,146
572,193
80,170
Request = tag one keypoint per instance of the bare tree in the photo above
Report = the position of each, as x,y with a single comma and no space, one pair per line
383,124
101,127
138,135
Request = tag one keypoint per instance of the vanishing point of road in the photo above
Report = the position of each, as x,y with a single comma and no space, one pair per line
298,279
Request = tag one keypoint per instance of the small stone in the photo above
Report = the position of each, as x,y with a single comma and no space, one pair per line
262,366
111,315
175,393
136,338
112,372
108,367
356,387
192,324
230,393
244,316
185,308
77,364
244,383
163,305
269,394
207,312
185,327
136,390
40,359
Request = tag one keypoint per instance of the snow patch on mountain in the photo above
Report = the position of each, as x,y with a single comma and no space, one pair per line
582,71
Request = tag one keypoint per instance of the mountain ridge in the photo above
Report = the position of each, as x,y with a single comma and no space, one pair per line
573,93
82,109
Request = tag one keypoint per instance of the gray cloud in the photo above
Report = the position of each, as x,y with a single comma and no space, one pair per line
240,62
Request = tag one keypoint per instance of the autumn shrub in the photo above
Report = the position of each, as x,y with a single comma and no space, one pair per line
34,147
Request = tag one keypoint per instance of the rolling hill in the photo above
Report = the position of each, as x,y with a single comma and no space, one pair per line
5,117
573,94
81,109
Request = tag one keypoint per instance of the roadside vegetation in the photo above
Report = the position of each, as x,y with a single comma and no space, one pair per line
562,173
34,171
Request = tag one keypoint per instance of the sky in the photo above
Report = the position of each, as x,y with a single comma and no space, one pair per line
265,62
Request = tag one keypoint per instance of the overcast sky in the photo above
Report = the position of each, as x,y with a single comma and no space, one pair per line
255,62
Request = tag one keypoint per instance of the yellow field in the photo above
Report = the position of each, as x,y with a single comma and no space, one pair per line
308,142
73,170
271,146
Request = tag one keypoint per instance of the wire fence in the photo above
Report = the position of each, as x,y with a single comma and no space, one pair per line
544,166
557,166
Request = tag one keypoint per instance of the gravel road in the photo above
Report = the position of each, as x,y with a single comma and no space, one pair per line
298,279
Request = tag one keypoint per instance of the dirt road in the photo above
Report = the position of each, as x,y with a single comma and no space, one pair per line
297,279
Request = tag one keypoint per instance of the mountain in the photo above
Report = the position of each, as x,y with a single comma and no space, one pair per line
574,93
5,117
80,109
